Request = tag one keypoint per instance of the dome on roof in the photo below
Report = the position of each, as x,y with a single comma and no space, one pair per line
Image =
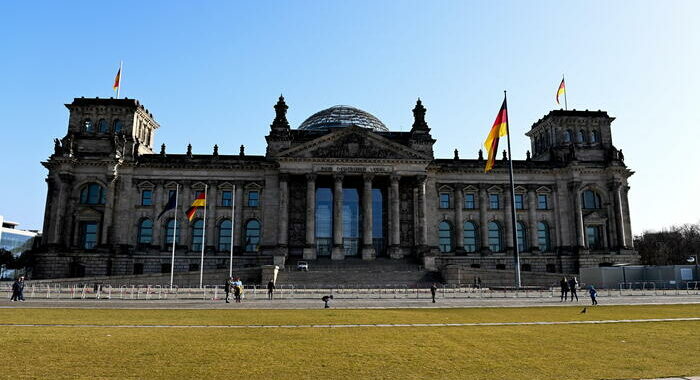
343,116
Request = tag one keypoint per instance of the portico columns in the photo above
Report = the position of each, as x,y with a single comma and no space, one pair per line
580,232
282,229
395,233
310,248
338,251
422,222
368,251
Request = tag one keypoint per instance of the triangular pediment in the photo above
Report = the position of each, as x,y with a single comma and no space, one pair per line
353,142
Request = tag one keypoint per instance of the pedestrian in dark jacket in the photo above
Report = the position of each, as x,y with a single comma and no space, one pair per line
572,288
325,300
270,289
227,288
594,295
18,290
433,289
564,289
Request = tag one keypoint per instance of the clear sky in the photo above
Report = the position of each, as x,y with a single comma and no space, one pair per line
211,71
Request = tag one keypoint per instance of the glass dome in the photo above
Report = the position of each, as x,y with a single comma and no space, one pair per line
343,116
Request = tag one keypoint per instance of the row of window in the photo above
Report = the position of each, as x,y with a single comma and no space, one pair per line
252,233
470,202
472,242
225,198
542,142
102,126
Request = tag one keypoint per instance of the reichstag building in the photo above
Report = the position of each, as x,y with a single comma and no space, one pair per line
341,186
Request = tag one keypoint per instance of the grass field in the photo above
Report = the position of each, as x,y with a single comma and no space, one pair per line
605,351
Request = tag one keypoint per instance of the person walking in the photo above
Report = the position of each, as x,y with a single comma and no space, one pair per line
433,290
227,288
594,295
270,289
572,288
325,300
15,290
238,290
564,284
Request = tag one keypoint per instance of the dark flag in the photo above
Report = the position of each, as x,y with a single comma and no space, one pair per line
171,204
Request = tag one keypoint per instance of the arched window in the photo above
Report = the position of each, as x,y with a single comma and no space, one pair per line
445,236
471,242
118,126
521,232
590,200
170,231
92,194
567,136
595,137
579,136
495,238
88,127
197,234
543,236
145,232
252,236
225,235
102,126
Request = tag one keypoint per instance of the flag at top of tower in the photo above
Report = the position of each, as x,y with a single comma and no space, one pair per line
117,78
498,130
561,90
200,201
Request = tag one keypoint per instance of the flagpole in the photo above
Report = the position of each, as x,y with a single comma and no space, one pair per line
566,105
512,204
204,230
172,259
233,216
121,74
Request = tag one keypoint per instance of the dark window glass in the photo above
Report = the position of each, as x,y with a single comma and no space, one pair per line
145,232
88,127
253,198
590,200
89,234
521,233
595,137
118,126
102,126
324,221
494,201
495,238
444,200
377,221
170,230
542,202
197,234
171,193
567,136
519,202
351,222
470,237
579,136
252,236
225,235
469,201
543,236
593,237
92,194
445,235
226,198
146,197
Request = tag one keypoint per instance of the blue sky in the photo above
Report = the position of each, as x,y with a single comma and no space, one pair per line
211,71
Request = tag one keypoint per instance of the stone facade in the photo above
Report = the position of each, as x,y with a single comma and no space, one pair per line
348,188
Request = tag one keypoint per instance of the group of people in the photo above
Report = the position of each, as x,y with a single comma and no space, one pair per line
18,290
570,286
234,286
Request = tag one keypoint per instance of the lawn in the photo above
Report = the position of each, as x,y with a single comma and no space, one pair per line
605,351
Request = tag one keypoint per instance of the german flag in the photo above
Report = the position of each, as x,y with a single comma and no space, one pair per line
498,130
200,201
561,90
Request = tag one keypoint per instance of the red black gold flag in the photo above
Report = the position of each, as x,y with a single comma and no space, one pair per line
117,79
200,201
498,130
561,90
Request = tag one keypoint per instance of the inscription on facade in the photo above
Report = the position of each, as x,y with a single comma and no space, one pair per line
353,169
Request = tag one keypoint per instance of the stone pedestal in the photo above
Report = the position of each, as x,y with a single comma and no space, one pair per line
395,252
309,253
368,253
338,253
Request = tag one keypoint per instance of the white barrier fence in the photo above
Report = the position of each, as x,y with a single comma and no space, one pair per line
388,291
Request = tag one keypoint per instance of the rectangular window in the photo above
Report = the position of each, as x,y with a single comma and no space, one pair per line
469,201
593,237
494,201
171,193
226,198
88,232
542,202
444,200
146,197
253,198
519,202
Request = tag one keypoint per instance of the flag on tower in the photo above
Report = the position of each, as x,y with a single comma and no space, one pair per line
200,201
118,78
561,90
498,130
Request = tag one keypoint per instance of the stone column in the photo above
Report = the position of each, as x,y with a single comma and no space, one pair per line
619,216
625,209
578,216
368,251
238,216
158,204
483,218
310,248
282,229
110,200
532,217
59,224
508,236
395,232
459,222
338,251
422,222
